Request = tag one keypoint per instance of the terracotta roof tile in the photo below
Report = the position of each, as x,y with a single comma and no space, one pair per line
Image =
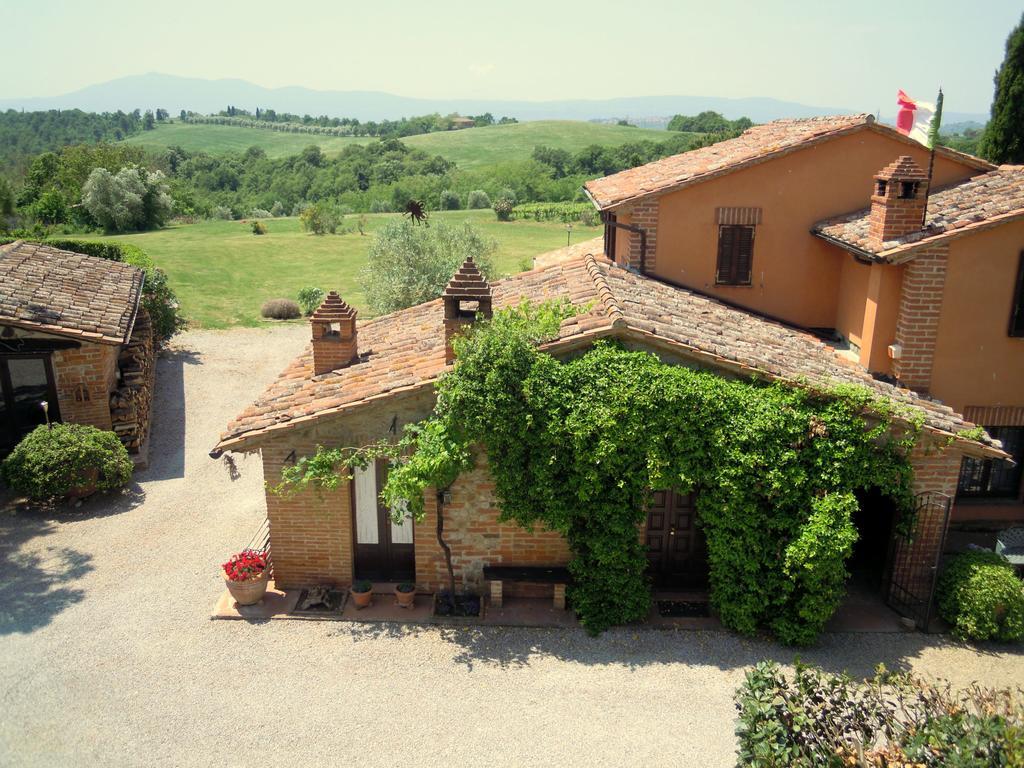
405,350
67,293
756,144
978,201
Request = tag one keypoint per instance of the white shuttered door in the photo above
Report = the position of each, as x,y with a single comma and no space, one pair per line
366,505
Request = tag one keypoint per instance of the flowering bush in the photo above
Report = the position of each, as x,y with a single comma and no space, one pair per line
246,565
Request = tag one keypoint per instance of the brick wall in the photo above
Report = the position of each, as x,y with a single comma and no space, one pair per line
645,215
85,378
476,538
917,323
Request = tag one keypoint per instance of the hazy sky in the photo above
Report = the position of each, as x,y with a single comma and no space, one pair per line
843,54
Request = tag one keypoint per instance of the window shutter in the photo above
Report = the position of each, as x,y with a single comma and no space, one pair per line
1017,310
744,255
726,253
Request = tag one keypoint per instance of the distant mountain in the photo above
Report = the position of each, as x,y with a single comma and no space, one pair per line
176,93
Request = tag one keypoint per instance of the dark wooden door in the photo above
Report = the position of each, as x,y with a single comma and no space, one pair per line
676,552
25,382
383,551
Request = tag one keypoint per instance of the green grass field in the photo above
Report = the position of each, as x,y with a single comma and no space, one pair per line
469,148
222,273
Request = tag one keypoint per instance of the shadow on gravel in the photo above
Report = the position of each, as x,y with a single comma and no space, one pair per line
857,654
35,586
167,432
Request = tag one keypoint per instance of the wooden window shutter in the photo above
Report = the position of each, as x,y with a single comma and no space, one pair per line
735,254
1017,310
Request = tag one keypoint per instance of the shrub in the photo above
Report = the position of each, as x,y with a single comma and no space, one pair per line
280,309
590,218
478,199
450,201
310,298
298,208
410,264
823,719
260,213
277,209
320,219
50,461
380,206
258,227
981,596
503,209
221,212
508,194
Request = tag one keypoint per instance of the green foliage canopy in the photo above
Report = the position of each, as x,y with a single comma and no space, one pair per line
132,199
981,596
1003,141
409,263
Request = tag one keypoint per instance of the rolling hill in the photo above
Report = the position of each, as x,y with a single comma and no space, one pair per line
468,148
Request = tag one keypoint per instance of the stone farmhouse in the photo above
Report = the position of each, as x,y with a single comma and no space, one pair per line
797,252
73,335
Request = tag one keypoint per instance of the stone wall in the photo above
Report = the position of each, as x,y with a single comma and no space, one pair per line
131,402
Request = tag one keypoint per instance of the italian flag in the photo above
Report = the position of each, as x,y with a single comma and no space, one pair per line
919,119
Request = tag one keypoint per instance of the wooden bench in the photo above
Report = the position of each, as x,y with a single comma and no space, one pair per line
499,574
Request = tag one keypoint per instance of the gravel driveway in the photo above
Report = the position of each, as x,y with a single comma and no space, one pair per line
109,656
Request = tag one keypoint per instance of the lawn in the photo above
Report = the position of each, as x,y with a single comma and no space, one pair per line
222,273
468,148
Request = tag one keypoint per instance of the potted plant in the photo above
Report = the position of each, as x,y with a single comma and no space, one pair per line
246,575
362,593
405,594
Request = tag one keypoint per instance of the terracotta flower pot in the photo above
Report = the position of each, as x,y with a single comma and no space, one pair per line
405,599
362,599
87,486
248,592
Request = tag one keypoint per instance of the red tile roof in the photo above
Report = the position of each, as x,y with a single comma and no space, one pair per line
405,351
757,144
68,294
979,202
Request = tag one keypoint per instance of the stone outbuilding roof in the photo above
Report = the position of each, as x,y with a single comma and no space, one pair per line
405,351
755,145
46,289
982,201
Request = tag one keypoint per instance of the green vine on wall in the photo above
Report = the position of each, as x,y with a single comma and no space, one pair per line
576,445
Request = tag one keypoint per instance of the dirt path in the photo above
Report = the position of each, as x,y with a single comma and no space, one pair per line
109,656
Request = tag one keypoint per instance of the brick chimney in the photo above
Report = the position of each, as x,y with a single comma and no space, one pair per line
467,294
898,201
334,335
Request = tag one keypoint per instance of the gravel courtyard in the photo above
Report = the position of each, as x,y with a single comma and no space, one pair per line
109,656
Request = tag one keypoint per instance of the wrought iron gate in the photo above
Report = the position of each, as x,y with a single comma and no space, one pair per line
914,560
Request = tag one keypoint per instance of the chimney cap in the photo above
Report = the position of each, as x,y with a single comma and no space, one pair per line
903,168
467,283
333,308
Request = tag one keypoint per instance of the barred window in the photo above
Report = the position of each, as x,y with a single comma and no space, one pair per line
987,478
1017,310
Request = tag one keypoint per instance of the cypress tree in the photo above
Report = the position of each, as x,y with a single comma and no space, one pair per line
1003,141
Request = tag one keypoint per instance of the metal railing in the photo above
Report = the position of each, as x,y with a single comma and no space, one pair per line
260,542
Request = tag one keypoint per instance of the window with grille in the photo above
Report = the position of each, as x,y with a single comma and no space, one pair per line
981,478
735,254
1017,310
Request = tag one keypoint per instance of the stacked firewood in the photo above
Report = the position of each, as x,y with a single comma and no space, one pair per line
130,403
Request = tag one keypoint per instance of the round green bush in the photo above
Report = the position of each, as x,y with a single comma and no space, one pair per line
50,461
981,596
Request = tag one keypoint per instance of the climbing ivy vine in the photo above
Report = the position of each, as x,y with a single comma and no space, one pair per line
577,444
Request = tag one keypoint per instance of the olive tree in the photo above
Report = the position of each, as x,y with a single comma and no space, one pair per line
132,199
411,263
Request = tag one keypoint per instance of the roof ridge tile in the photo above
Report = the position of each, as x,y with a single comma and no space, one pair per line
604,292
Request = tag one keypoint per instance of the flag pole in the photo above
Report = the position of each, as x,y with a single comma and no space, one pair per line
933,139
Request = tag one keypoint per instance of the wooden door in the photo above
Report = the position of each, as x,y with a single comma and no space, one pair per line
383,549
676,552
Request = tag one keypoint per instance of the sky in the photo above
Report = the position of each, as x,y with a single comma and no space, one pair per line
851,55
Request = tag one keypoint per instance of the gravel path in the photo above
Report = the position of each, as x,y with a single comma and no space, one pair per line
109,656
